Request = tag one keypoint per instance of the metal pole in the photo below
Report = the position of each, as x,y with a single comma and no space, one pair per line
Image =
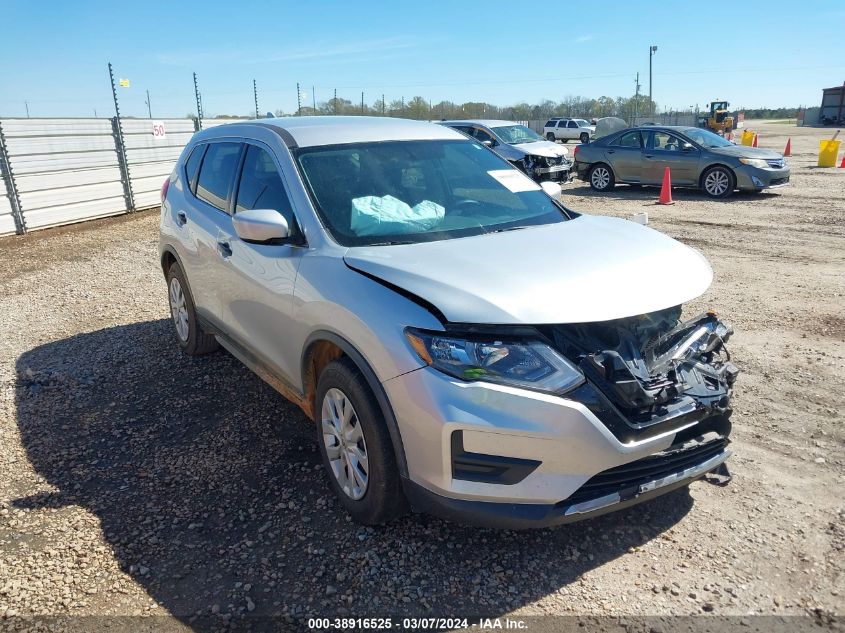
298,101
26,105
149,106
651,51
117,129
335,101
314,99
362,103
199,102
11,189
382,104
255,94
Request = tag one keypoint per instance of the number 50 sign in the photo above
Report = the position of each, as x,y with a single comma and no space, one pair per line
158,130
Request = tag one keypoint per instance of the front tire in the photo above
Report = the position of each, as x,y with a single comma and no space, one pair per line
355,446
718,182
189,334
550,137
601,177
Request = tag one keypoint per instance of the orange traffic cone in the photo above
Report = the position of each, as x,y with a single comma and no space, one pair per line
842,164
788,151
666,189
754,142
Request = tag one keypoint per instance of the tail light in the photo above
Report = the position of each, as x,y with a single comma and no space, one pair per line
164,189
575,151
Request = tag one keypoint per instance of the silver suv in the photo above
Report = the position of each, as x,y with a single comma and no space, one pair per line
465,344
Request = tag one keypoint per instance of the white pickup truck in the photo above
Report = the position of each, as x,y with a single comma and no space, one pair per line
569,129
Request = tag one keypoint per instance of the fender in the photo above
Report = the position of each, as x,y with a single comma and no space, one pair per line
372,381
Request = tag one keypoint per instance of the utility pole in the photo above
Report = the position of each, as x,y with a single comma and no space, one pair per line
149,107
26,105
403,105
334,103
298,101
362,103
199,102
651,51
314,99
637,100
382,104
255,94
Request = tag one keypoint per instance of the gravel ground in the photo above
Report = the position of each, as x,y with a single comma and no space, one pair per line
137,481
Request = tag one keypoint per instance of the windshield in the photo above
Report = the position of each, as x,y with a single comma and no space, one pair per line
706,138
581,122
515,134
401,192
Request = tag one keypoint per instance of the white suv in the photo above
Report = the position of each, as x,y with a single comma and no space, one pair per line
569,129
464,344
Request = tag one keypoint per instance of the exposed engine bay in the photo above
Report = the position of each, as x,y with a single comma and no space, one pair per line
654,367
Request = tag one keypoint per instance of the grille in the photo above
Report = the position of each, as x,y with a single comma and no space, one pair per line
644,470
777,163
779,181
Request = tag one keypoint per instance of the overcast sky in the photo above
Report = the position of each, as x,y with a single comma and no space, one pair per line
750,53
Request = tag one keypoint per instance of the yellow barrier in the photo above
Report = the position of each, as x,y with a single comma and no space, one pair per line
828,151
747,138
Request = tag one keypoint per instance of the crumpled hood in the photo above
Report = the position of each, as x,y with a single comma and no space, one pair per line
747,152
592,268
542,148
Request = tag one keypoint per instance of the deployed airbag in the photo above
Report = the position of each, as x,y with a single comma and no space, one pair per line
386,215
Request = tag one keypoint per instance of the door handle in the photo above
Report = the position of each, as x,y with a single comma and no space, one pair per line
225,249
611,151
181,218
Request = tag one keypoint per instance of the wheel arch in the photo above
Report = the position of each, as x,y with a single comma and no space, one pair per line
322,347
711,166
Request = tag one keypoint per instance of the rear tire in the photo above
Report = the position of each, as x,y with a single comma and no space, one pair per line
718,182
362,468
189,334
601,177
585,138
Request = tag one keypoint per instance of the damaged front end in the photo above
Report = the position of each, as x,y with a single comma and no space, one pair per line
654,373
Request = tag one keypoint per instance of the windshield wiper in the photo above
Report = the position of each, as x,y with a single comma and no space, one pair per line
512,228
392,243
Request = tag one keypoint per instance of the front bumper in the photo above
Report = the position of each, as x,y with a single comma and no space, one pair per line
569,453
518,516
756,179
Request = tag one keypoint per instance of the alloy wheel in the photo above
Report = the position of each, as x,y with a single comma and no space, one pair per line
600,177
343,439
716,183
178,309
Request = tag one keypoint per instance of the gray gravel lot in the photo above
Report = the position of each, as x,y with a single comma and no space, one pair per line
137,481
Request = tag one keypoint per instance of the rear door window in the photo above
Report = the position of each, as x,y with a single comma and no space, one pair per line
629,139
572,124
192,166
217,174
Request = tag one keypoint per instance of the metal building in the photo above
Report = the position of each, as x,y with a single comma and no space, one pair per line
832,111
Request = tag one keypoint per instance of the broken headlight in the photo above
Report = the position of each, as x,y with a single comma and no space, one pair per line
528,364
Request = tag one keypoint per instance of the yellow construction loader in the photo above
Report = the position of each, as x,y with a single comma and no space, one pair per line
720,119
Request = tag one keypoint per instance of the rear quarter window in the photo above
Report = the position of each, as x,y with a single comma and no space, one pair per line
192,166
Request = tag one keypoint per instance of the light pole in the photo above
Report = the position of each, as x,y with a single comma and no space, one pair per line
651,51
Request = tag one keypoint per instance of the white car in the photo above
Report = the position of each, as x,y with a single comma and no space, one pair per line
569,129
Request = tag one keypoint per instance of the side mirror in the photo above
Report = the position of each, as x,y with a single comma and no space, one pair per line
260,226
687,147
488,143
552,189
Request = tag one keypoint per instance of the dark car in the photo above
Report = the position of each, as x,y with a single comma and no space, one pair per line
696,158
